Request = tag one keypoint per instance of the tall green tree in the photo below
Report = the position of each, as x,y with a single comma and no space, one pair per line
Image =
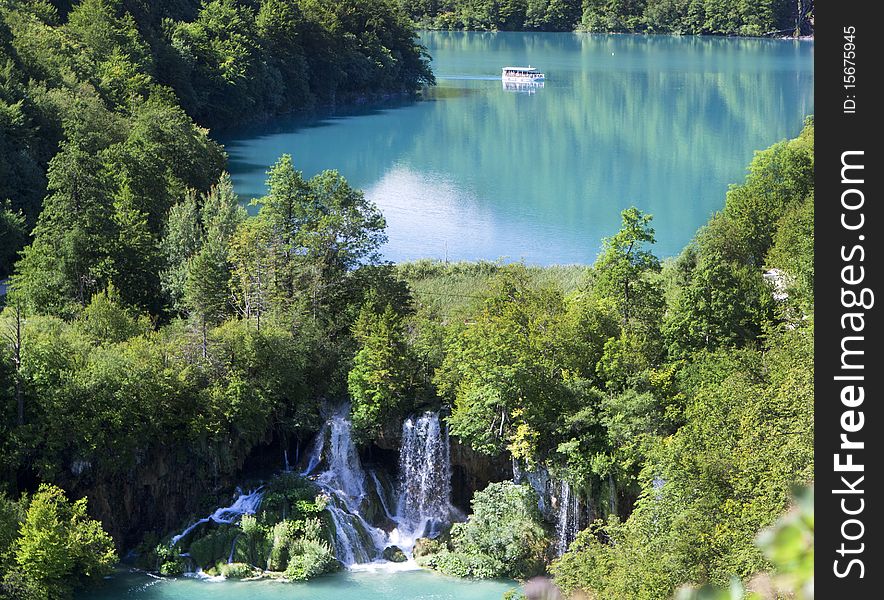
504,372
626,272
70,257
12,236
320,230
382,380
623,265
110,37
194,223
60,547
182,240
206,290
253,275
725,304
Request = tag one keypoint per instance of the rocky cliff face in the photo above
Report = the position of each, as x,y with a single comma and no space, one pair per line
157,495
803,15
471,471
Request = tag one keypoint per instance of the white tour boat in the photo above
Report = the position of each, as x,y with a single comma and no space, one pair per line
521,75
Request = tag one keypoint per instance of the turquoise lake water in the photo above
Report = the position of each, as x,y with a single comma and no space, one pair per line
478,172
411,585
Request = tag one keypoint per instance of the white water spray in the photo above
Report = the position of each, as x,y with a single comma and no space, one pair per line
568,517
422,503
245,504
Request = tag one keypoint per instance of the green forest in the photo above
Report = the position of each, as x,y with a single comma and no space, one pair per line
683,17
156,341
123,91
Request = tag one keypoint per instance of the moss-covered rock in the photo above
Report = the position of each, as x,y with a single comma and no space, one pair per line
394,554
215,546
427,546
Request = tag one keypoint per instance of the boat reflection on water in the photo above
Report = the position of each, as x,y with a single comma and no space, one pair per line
526,80
522,87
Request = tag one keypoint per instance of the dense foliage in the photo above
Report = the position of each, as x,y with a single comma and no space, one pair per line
101,395
749,17
504,536
744,388
102,104
788,544
49,546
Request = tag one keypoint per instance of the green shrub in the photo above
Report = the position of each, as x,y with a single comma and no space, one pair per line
249,525
235,570
289,496
282,537
254,544
169,561
59,547
459,564
504,536
310,557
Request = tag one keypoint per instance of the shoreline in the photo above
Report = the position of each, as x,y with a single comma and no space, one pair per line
770,36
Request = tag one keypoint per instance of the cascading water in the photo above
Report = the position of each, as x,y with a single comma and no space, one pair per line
245,504
417,505
356,540
568,517
541,483
344,475
558,503
422,505
382,495
232,550
315,454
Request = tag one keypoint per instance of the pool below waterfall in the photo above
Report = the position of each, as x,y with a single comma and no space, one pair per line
380,584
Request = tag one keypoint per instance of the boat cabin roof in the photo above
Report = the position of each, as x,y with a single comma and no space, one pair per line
521,69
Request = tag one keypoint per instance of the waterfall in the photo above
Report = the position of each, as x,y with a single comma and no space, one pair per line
245,504
558,503
421,506
562,518
344,476
541,483
232,549
417,505
568,517
315,454
424,505
356,540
